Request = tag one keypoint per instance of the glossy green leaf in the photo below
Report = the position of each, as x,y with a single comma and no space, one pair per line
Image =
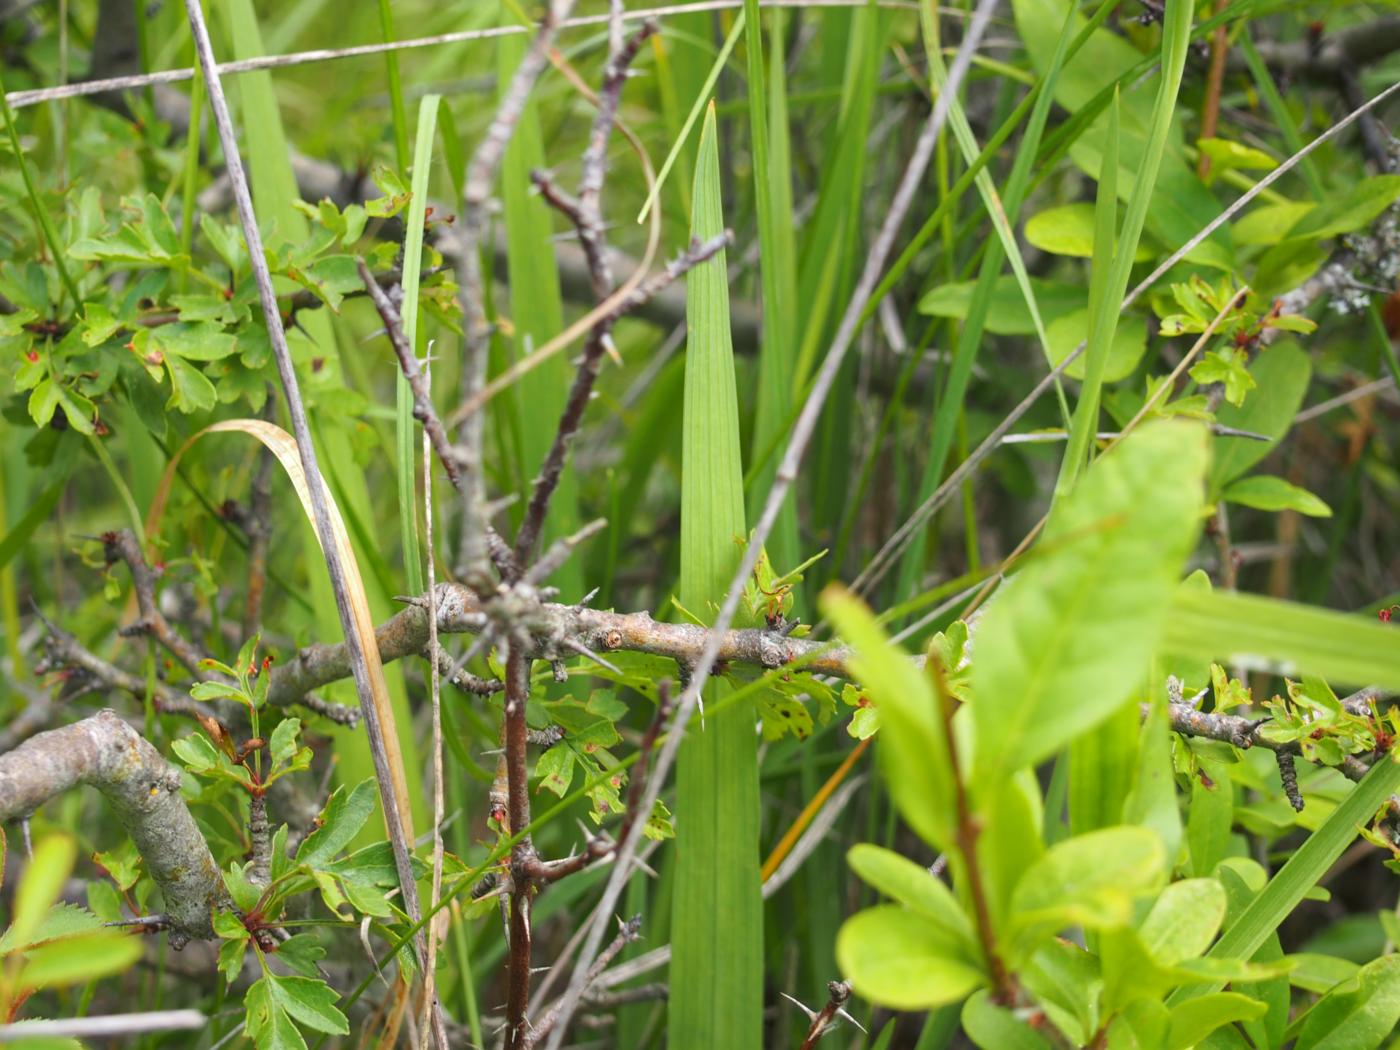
1349,211
901,959
917,889
1007,313
1090,880
1067,637
1184,920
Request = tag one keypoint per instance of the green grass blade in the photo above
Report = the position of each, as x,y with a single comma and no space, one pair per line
391,68
405,428
1103,316
777,261
1285,891
1230,627
41,213
1037,104
716,977
694,115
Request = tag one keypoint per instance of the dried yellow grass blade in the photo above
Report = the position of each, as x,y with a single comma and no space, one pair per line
283,446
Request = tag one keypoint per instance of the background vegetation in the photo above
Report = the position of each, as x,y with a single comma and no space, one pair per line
1012,385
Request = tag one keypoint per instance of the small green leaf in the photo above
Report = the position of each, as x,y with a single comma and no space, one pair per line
311,1001
1091,881
1183,920
1267,492
1192,1021
994,1027
283,744
345,813
901,959
1349,211
231,954
914,887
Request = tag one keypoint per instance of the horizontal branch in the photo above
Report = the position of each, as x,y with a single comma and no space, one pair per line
551,627
105,753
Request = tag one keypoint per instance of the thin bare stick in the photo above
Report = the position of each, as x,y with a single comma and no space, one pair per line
109,1026
782,481
20,99
395,821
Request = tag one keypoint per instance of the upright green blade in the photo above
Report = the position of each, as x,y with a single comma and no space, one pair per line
717,923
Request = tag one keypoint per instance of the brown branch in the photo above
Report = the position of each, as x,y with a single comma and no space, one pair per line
522,853
966,833
122,545
64,653
423,409
582,389
549,626
1210,111
838,992
107,754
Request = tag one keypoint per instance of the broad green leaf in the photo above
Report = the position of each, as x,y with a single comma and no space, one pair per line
917,889
61,920
1090,880
345,812
1129,342
1266,492
1359,1014
1184,920
717,922
1008,314
1349,211
901,959
268,1023
1069,636
1069,230
1192,1021
994,1027
913,744
1269,223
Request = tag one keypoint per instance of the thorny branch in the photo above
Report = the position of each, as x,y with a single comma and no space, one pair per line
824,1021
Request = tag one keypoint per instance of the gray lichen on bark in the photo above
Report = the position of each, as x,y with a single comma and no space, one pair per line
105,753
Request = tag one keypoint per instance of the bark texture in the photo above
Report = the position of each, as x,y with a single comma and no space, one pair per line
105,753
